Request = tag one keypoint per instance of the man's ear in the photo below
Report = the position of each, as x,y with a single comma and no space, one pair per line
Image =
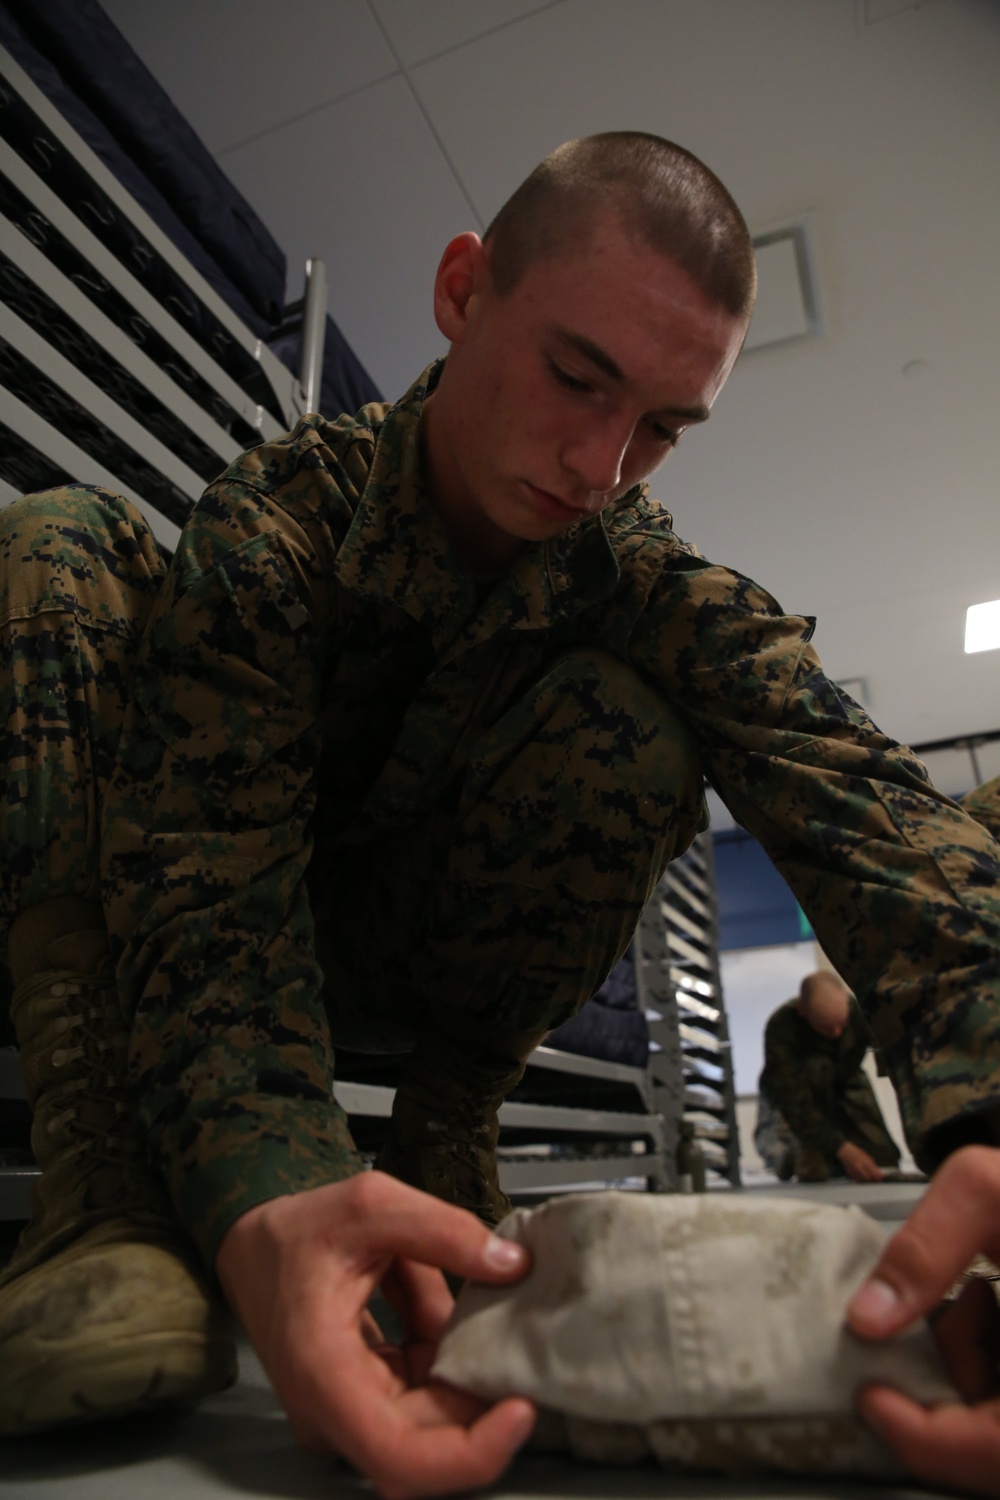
462,273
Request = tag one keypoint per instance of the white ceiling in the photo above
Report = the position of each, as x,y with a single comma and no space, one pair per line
854,473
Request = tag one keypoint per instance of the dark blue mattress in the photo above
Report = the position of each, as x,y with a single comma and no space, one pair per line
611,1025
82,63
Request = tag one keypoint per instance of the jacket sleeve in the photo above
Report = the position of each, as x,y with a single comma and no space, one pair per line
786,1085
206,839
901,886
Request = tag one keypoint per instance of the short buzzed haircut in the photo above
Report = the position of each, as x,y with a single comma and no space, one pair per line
823,985
661,192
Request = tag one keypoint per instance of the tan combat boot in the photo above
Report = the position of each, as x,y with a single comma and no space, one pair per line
443,1133
104,1308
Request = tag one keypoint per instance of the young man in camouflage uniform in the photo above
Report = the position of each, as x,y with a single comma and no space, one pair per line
817,1115
394,756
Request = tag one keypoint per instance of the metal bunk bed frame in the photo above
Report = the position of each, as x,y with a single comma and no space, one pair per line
680,984
174,377
970,743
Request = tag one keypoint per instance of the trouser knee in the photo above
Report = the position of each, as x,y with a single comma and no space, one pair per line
78,549
592,781
516,903
574,802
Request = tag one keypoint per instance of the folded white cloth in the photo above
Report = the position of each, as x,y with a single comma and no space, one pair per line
651,1321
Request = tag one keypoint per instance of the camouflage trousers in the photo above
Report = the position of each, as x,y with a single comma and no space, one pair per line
772,1135
79,572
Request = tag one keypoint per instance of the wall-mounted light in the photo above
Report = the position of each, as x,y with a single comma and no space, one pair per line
982,626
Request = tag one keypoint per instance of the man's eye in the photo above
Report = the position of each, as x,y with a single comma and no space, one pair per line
664,434
566,379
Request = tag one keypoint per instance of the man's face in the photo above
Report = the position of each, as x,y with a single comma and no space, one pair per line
562,394
828,1014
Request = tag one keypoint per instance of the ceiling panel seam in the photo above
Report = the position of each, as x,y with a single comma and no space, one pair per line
314,109
446,155
401,70
489,31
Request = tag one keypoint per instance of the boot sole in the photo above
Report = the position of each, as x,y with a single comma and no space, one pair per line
152,1372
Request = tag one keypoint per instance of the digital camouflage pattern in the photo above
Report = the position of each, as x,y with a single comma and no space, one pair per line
775,1143
820,1089
79,570
360,794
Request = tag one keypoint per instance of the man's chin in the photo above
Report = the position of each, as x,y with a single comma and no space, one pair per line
552,510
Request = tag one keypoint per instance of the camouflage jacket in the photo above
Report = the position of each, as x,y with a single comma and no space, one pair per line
789,1042
305,679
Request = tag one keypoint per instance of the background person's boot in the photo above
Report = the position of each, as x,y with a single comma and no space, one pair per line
443,1133
104,1308
811,1165
785,1169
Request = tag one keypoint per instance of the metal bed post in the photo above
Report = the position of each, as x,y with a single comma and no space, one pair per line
313,333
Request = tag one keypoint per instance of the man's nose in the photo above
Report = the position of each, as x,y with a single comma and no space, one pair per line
596,455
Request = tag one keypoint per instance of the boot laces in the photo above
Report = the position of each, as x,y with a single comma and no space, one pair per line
98,1111
466,1150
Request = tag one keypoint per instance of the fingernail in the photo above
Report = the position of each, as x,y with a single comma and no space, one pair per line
877,1302
503,1255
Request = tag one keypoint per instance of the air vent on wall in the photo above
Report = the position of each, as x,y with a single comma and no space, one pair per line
786,305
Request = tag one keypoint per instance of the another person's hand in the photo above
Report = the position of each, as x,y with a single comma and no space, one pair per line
858,1165
299,1272
958,1217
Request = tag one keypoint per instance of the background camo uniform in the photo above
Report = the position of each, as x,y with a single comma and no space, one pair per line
355,801
819,1088
983,804
775,1143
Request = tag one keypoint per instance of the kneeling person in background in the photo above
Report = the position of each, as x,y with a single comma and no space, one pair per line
818,1116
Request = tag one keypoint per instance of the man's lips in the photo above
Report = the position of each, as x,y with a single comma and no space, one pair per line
552,506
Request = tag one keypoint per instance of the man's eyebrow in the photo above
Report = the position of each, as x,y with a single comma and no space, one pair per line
593,352
610,367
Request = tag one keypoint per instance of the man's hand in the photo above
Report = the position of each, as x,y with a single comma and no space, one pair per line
959,1215
299,1271
858,1165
